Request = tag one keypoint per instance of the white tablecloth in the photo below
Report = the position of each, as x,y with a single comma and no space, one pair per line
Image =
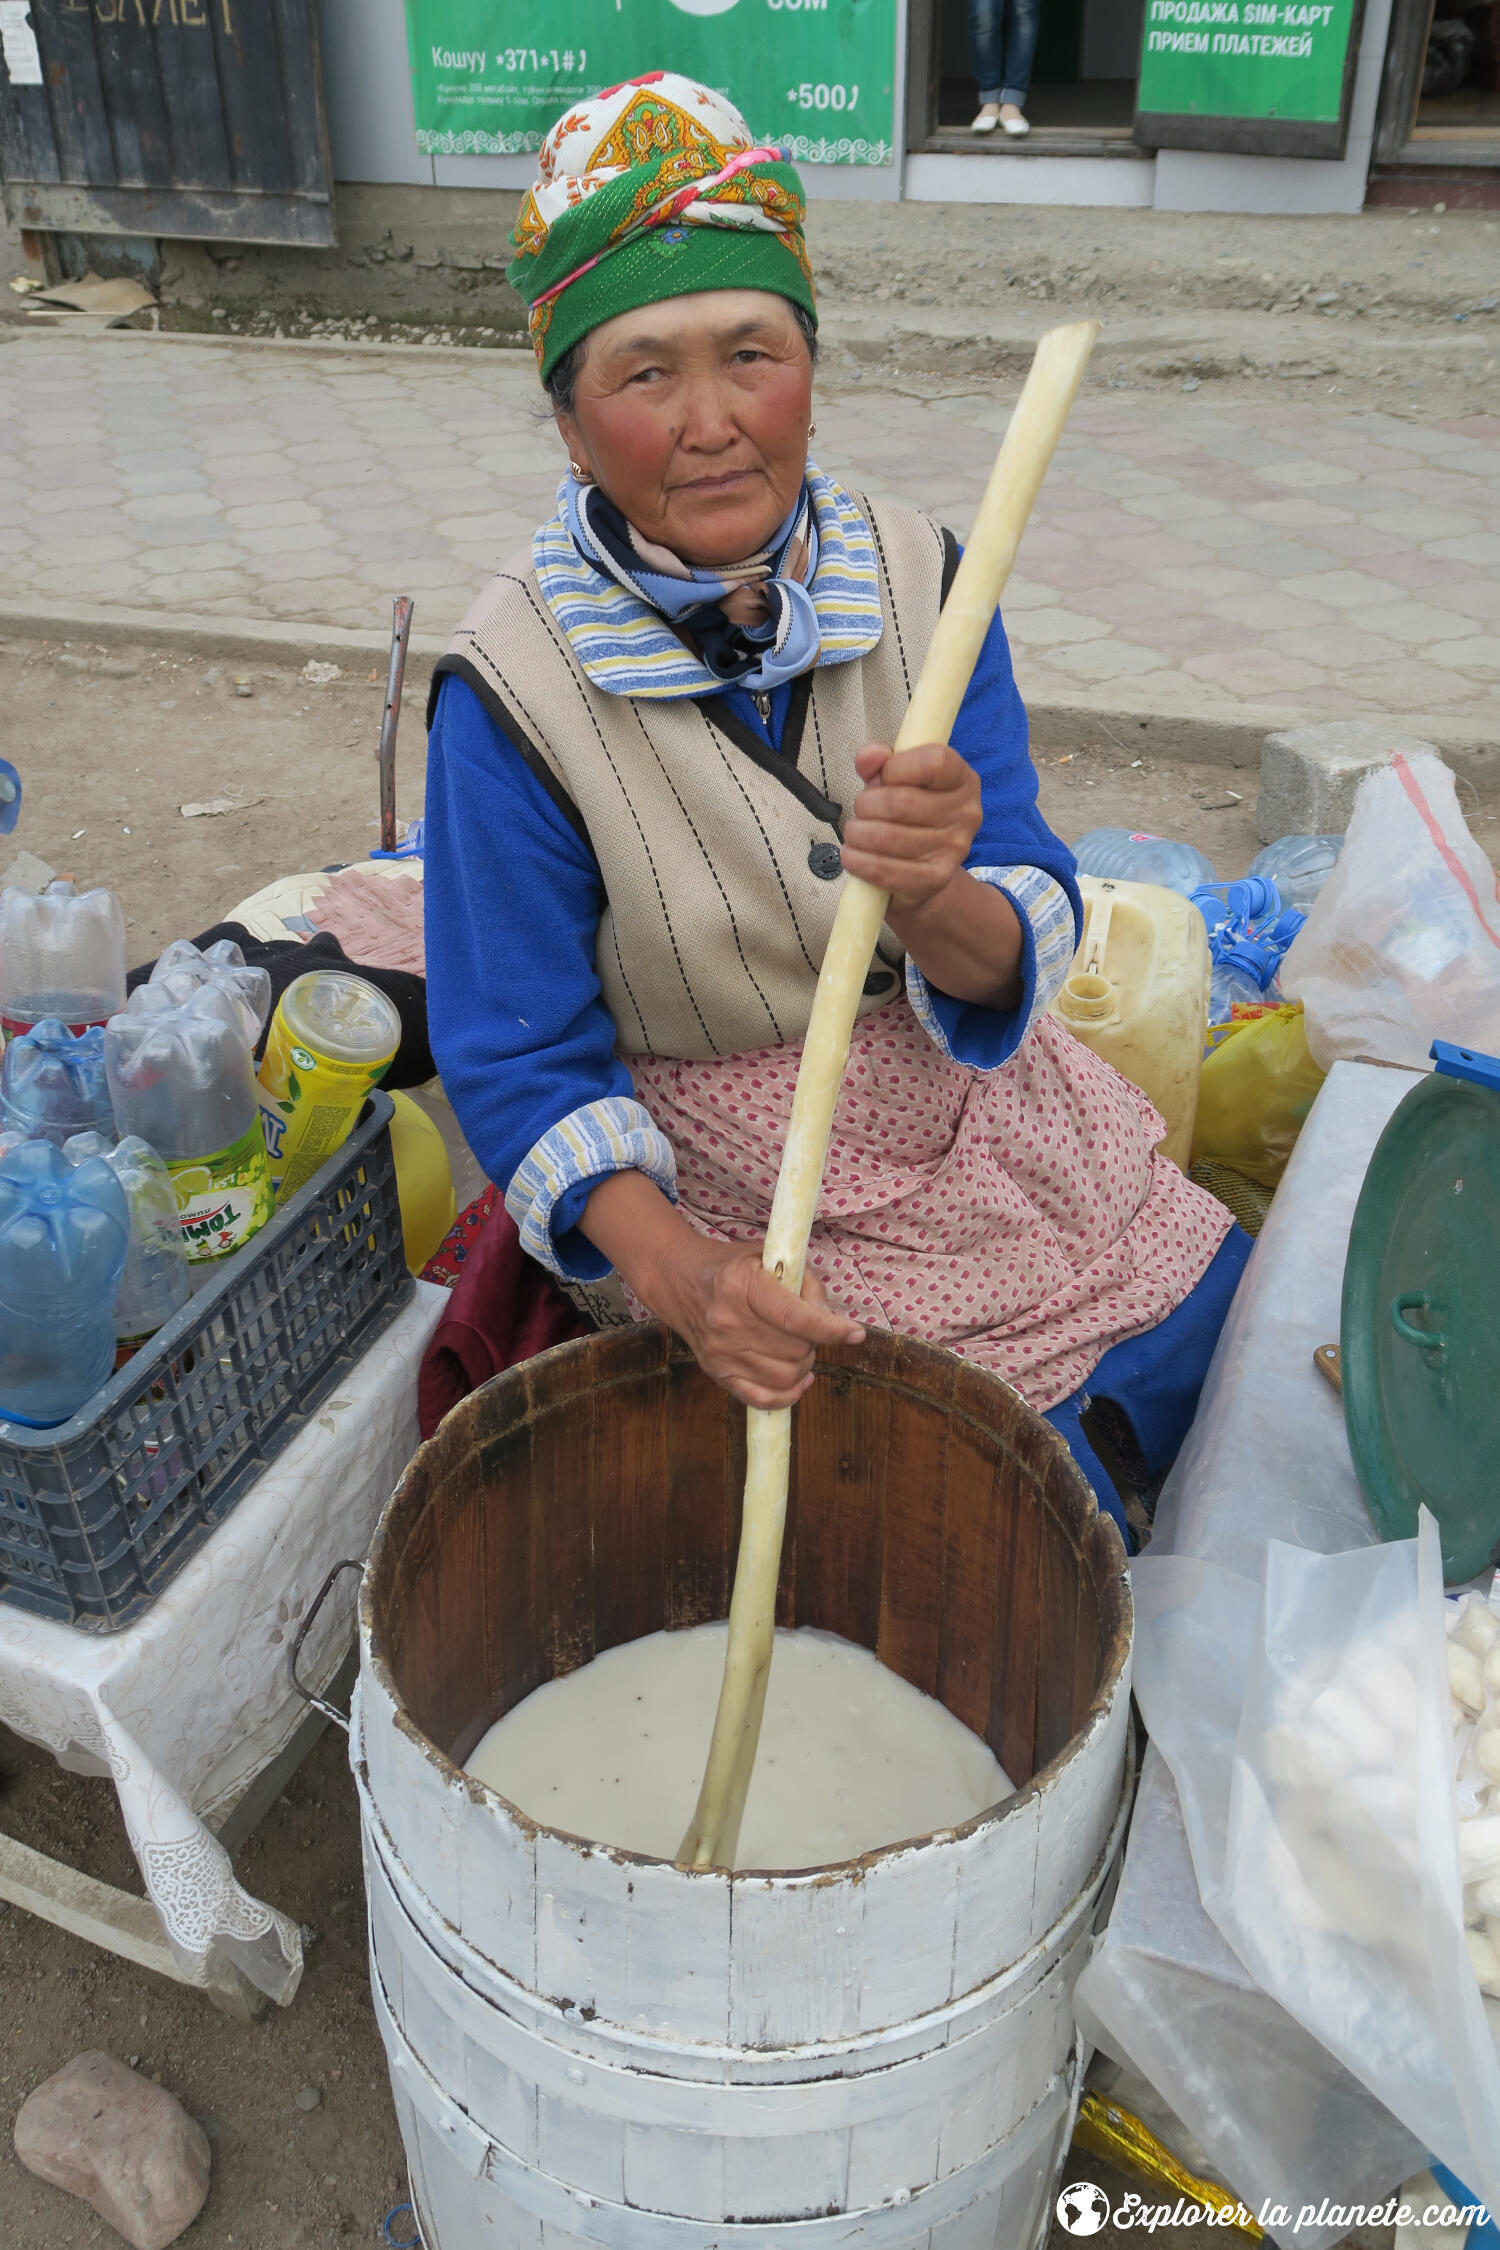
184,1708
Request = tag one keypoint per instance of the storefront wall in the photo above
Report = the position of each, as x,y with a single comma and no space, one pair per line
372,131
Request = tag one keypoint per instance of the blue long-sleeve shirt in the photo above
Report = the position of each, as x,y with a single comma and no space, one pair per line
518,1023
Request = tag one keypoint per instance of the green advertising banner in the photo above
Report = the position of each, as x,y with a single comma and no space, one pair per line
1267,76
817,74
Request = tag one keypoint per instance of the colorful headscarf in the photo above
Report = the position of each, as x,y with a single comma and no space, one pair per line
653,189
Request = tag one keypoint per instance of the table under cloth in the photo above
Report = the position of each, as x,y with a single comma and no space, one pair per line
1267,1458
184,1708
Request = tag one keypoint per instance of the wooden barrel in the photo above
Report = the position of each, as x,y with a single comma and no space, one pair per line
588,2047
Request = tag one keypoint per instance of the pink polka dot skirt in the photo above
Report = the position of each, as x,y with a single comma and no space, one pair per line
1018,1216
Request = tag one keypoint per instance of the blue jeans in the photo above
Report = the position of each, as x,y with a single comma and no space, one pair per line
1002,34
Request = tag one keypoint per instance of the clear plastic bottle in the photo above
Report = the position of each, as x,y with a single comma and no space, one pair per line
52,1083
1244,969
64,1235
1133,856
181,1077
1299,866
155,1284
182,969
333,1038
62,953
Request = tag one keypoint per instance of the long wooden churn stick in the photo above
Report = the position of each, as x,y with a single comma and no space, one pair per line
1015,480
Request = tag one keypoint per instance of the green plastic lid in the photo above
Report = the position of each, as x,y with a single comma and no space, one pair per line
1420,1337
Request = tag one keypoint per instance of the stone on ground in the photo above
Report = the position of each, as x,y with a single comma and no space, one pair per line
125,2146
1309,775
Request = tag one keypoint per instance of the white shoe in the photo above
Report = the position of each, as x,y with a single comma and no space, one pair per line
1017,127
986,121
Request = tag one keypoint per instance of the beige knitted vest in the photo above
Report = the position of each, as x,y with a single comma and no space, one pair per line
719,855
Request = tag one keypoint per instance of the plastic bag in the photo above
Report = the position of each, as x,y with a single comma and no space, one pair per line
1403,942
1258,1083
1311,1743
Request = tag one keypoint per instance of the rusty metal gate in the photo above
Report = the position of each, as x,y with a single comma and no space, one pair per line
167,118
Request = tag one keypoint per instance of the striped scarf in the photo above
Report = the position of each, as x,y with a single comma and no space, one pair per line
626,644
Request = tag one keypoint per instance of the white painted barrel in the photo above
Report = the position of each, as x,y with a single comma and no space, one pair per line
592,2048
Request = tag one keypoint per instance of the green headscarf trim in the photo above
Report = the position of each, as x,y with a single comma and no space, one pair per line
612,258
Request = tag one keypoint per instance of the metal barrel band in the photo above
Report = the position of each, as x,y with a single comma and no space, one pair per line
318,1702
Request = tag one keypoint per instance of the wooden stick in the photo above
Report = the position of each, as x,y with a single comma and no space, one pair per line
1015,480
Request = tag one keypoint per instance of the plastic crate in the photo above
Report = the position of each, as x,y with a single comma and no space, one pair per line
97,1515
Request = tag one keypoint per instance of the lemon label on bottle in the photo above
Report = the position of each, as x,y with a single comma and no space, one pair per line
223,1199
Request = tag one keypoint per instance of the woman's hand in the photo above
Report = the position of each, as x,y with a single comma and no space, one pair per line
911,830
913,822
743,1328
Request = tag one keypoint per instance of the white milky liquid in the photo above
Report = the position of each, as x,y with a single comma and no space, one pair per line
851,1758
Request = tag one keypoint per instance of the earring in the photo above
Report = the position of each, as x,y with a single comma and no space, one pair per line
812,431
581,474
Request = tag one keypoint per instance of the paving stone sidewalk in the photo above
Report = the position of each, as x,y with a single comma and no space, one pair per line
1256,561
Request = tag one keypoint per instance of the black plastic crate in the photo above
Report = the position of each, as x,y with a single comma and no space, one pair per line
97,1515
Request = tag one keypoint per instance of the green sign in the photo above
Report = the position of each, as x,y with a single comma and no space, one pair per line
817,74
1281,60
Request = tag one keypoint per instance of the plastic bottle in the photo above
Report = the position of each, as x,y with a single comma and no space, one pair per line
424,1181
182,970
62,953
64,1235
181,1077
333,1038
1132,856
155,1283
1244,970
1137,994
1251,900
1299,866
52,1083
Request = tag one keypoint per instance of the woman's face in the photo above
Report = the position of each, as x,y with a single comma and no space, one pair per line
692,415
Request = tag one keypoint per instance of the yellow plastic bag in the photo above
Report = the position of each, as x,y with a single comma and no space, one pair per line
1258,1085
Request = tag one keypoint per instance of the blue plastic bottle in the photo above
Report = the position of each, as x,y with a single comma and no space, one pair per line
52,1083
64,1236
1251,901
1133,856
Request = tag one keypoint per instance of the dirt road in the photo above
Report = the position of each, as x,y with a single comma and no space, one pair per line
113,741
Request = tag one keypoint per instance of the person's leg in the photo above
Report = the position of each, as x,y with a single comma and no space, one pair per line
1067,1419
987,44
1022,21
1155,1377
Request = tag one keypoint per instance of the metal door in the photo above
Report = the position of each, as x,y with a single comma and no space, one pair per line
168,118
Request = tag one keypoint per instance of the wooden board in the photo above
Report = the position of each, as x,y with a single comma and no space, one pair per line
197,118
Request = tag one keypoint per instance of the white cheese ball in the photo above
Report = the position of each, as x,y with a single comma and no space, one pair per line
1477,1628
1346,1715
1485,1961
1465,1677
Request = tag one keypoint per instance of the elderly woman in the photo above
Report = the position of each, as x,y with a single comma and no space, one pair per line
659,742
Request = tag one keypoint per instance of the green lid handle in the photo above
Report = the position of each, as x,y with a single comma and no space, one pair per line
1425,1339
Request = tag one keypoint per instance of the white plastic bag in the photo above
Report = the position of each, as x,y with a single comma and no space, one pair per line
1321,1813
1403,942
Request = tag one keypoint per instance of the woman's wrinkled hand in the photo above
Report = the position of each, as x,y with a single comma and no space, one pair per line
913,822
744,1328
